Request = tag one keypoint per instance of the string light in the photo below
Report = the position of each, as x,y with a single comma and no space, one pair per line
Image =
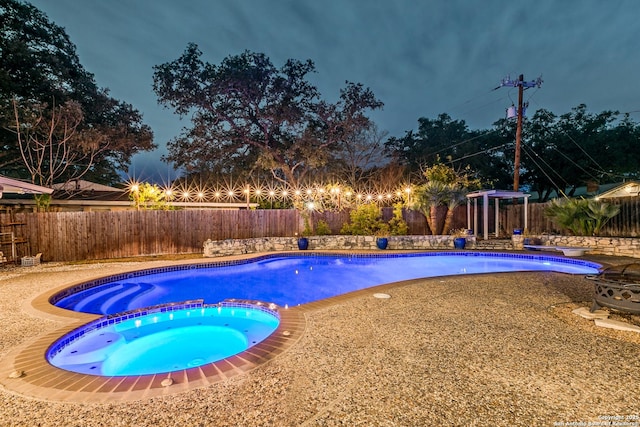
312,196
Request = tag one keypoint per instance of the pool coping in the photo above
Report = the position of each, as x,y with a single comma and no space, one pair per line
25,370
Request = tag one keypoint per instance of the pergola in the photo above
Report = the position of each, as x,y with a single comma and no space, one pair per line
496,195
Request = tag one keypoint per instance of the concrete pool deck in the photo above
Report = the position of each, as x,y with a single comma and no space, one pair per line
497,349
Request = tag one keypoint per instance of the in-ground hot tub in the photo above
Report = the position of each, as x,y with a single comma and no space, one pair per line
164,338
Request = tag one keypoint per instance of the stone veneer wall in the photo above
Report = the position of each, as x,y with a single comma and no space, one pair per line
214,248
616,246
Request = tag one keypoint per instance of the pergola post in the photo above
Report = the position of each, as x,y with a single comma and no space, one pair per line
485,215
496,203
526,210
475,217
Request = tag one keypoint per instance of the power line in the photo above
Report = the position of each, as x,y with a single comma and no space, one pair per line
541,169
488,150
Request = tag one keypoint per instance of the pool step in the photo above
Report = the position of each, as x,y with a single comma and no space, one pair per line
82,301
121,301
114,299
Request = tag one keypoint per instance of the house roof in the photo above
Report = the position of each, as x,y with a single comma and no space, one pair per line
10,185
627,189
82,185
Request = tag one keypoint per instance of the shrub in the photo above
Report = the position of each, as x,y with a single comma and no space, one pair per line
365,220
322,228
397,225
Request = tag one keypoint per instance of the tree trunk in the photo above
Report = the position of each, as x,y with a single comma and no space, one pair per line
448,220
433,220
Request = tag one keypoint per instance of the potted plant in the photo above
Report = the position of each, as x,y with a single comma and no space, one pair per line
303,243
382,239
459,238
366,220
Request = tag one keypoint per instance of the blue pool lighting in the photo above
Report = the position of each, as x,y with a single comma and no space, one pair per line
146,330
163,339
290,280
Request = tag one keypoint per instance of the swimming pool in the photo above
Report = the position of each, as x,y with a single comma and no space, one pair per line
163,339
147,331
292,279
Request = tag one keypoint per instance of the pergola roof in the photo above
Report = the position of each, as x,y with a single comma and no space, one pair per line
9,185
497,194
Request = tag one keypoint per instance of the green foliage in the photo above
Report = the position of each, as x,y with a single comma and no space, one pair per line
581,216
43,201
441,173
444,187
148,196
307,230
397,225
330,197
577,147
322,228
446,174
365,220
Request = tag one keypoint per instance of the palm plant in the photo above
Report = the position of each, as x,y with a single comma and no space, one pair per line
455,198
429,196
580,216
600,213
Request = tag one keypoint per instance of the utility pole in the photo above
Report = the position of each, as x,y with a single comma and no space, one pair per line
520,84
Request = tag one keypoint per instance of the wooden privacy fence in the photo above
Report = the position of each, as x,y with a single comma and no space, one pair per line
625,224
72,236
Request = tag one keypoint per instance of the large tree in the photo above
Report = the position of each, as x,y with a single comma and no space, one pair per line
247,110
360,157
577,148
41,72
446,140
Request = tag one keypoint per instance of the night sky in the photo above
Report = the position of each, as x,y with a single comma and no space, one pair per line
421,58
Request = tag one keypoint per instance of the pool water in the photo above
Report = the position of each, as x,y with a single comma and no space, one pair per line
169,336
289,280
161,341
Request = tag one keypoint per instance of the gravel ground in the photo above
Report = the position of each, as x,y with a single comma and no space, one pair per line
487,350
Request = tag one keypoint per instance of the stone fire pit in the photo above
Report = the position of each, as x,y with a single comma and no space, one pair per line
618,287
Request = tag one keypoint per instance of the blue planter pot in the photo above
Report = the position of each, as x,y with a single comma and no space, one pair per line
459,242
303,243
382,242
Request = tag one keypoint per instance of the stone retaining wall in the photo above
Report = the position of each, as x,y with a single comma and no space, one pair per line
214,248
616,246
